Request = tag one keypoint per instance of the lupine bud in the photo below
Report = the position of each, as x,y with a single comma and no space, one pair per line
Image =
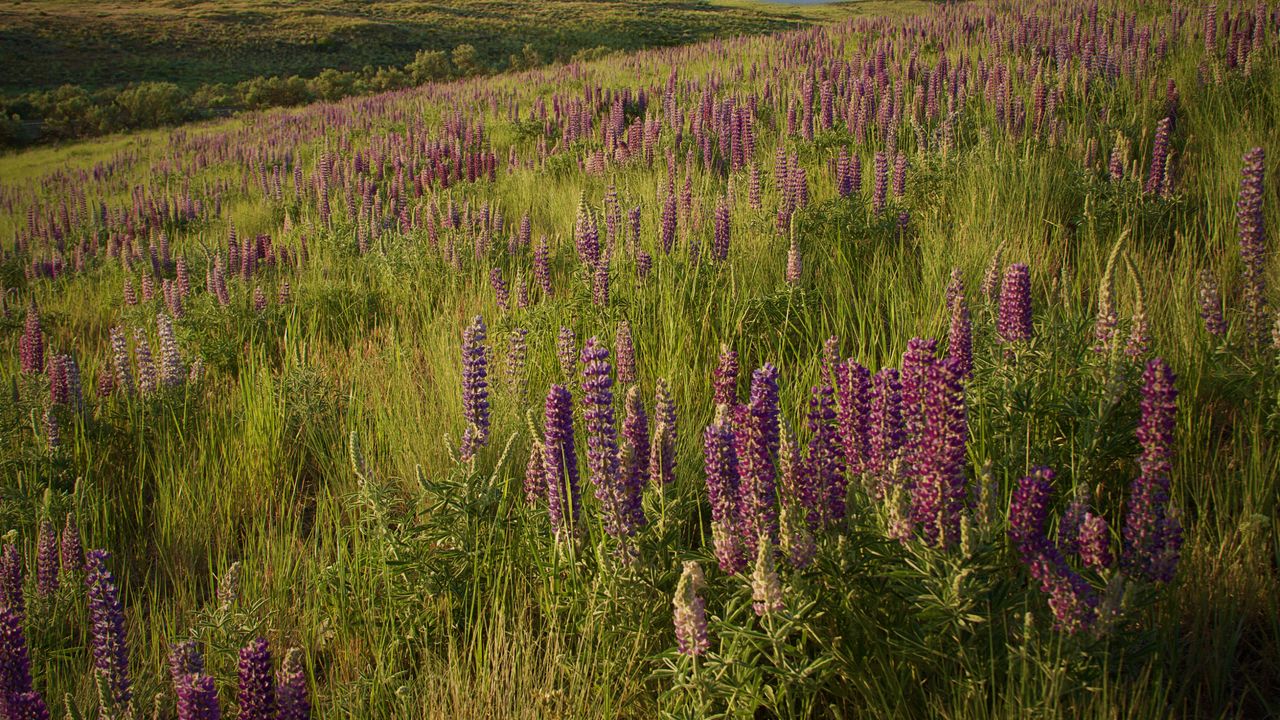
147,382
960,334
70,551
174,373
766,587
635,449
724,380
690,613
1211,306
793,263
31,344
720,249
120,361
197,698
1253,243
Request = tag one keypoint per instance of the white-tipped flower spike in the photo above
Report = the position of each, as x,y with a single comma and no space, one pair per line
690,612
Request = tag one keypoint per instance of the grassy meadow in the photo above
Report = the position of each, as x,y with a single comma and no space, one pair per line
262,388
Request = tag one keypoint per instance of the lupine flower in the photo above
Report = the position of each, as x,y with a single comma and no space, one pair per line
1014,324
634,454
724,379
500,291
517,359
15,662
822,467
667,228
173,373
567,352
1139,329
799,502
1073,601
106,616
1253,243
991,277
535,479
561,463
147,382
542,266
720,249
600,284
721,465
885,432
11,575
793,263
625,351
619,502
662,455
960,334
1152,534
766,587
900,175
1211,306
758,493
47,559
120,361
197,698
882,182
257,688
937,455
690,613
1156,177
292,687
853,396
475,389
1104,327
70,551
52,434
185,659
1095,542
31,344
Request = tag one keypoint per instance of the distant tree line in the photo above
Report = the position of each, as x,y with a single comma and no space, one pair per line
72,112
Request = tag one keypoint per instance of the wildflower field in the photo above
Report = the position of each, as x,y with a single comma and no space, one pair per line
922,365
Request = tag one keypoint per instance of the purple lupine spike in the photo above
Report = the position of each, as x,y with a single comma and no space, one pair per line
257,688
47,560
70,551
721,465
185,659
1094,542
1253,243
106,616
916,361
690,613
938,491
58,391
667,228
960,334
900,176
173,371
147,382
52,433
1156,176
882,182
662,455
625,351
542,266
758,491
1014,324
567,352
1152,534
561,463
475,389
634,453
15,662
616,498
587,235
31,344
724,379
292,687
1073,601
720,248
1211,306
120,361
500,291
517,360
644,264
197,697
853,394
11,576
822,464
600,284
885,431
535,477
